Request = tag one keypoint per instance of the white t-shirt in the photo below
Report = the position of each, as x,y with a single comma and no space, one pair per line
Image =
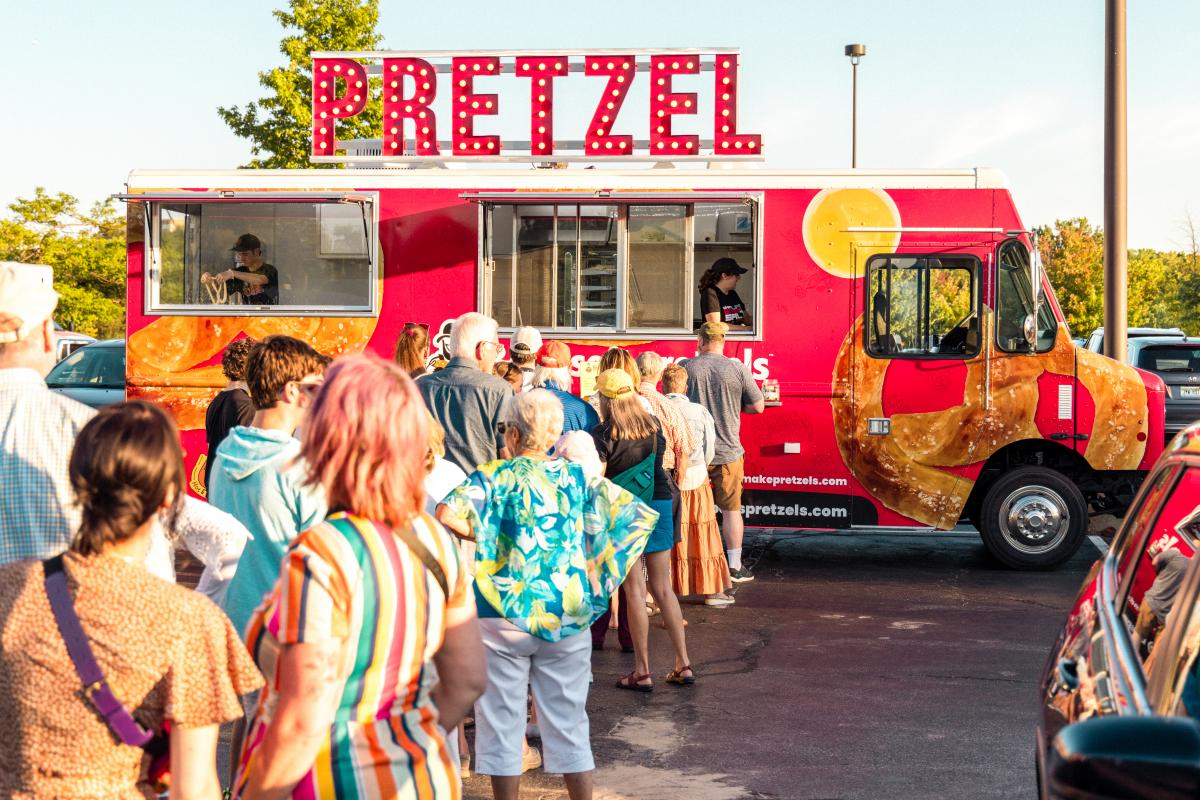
445,478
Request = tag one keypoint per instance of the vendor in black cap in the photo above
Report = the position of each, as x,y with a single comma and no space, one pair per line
254,279
719,301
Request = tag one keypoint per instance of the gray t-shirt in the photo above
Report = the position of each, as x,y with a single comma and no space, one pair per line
1172,567
723,386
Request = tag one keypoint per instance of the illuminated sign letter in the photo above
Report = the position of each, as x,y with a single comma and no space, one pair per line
664,104
339,90
467,105
726,139
598,141
541,71
397,106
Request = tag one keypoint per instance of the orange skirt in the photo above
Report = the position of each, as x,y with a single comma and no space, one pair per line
698,560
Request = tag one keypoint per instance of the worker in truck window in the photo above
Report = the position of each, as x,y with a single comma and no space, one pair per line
255,280
719,301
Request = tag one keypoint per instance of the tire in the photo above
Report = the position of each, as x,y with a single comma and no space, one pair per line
1033,518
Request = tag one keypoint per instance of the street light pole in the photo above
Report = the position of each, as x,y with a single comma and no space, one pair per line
1116,213
855,53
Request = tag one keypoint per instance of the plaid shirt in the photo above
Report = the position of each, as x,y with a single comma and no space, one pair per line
680,441
38,514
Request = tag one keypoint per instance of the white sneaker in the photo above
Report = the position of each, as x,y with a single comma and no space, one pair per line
531,759
718,600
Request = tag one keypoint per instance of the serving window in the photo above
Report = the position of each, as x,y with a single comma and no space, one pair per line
612,267
263,257
923,306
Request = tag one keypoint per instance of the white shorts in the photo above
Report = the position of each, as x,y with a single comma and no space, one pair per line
560,673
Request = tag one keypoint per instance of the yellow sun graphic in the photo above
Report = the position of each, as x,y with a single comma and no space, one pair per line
830,216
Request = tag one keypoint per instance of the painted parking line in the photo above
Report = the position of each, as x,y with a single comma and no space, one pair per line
1101,545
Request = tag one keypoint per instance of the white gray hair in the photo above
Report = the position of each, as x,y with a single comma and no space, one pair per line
650,364
538,416
558,377
468,331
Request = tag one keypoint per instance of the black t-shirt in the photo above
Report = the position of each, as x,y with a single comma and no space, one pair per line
622,454
730,306
253,294
228,409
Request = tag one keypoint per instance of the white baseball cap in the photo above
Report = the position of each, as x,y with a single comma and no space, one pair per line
27,299
525,340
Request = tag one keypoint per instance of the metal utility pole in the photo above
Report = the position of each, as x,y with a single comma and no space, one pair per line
855,52
1116,195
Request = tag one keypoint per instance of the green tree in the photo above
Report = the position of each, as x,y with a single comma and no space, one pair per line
279,124
1073,253
86,251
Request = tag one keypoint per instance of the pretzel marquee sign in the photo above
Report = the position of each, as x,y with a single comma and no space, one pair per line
408,84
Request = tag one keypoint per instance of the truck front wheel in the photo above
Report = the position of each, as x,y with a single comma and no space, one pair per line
1033,518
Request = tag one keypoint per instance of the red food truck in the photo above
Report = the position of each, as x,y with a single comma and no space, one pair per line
915,377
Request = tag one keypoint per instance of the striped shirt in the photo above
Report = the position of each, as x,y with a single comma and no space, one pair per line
38,512
352,579
677,432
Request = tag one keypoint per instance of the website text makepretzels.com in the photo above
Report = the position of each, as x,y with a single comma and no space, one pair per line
793,480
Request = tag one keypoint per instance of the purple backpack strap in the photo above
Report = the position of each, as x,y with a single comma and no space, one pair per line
95,688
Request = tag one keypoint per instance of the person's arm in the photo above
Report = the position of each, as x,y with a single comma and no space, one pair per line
752,396
455,524
462,672
246,276
309,683
194,763
710,306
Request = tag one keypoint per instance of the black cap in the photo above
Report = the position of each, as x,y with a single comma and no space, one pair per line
247,241
727,266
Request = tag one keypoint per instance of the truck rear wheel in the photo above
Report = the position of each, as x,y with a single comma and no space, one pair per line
1033,518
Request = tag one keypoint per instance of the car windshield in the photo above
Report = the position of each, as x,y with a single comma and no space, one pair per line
92,367
1170,358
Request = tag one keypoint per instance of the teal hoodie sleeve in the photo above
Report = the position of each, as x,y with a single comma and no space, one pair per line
309,504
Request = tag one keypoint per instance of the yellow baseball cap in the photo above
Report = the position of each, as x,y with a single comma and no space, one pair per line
612,383
714,331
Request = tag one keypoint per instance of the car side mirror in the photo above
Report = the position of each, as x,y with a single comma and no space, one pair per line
1127,758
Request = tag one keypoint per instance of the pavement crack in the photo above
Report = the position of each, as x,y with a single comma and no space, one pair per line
984,678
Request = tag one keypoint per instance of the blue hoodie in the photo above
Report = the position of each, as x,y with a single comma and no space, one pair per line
257,478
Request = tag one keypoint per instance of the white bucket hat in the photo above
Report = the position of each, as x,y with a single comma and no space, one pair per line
27,299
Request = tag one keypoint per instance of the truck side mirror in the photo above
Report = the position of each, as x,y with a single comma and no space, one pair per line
1035,287
1125,757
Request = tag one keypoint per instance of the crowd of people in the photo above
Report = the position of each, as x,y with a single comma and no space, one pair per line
392,550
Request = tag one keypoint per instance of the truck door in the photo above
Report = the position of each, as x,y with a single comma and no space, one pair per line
919,381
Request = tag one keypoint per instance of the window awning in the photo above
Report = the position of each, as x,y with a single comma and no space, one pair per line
242,197
604,196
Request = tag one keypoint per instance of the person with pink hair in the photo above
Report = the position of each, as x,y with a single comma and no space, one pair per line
365,602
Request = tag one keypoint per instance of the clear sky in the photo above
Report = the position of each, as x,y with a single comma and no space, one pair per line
95,89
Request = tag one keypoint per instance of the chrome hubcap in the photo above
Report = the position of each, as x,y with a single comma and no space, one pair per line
1034,519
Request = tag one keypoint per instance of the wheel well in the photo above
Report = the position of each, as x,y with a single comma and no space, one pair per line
1027,453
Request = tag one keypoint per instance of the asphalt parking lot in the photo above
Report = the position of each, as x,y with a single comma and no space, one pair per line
858,665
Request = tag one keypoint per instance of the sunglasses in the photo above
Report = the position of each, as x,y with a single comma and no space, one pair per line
422,325
310,389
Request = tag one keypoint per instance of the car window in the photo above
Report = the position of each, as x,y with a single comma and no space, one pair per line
1130,543
1170,358
1161,563
1183,679
95,367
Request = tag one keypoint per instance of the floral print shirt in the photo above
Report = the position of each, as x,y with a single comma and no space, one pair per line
552,545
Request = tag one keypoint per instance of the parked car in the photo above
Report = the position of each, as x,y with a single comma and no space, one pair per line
1177,362
67,342
93,374
1120,714
1095,341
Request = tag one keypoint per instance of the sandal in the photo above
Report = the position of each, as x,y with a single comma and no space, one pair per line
677,677
633,682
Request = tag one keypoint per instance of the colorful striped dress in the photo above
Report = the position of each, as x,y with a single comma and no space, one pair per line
353,579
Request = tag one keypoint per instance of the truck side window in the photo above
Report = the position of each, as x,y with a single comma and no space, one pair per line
280,257
922,306
1014,302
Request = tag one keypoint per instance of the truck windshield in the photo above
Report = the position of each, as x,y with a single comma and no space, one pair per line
923,307
1014,302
